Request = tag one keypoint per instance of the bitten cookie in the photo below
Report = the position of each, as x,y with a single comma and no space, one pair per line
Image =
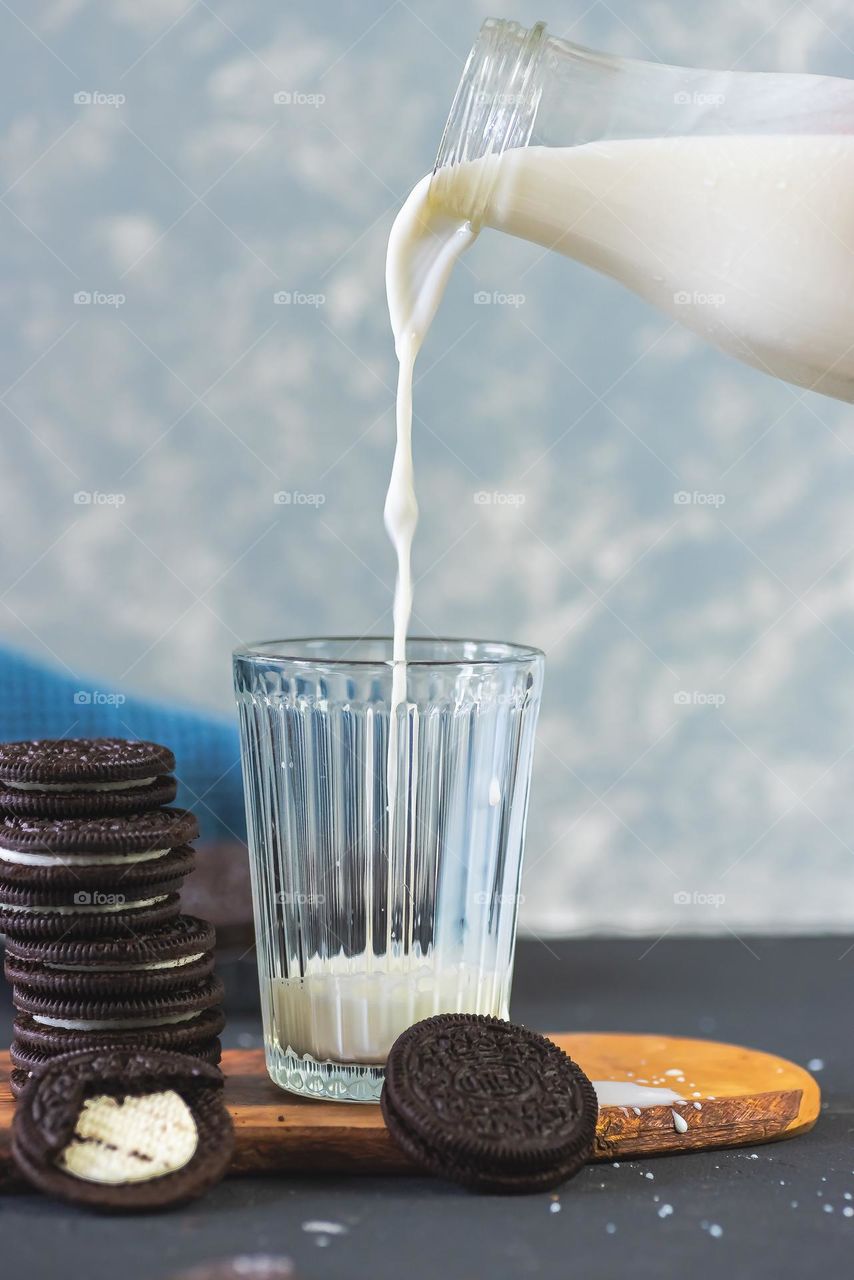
123,1131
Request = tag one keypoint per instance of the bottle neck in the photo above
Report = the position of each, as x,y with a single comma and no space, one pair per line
495,106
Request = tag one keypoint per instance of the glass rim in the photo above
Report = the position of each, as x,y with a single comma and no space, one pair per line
507,652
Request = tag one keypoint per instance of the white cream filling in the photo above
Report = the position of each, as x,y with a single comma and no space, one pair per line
81,908
127,785
113,1024
131,1139
126,967
78,859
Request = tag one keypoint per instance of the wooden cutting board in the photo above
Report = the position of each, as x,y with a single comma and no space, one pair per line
745,1097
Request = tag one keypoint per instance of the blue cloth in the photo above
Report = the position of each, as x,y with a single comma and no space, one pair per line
39,701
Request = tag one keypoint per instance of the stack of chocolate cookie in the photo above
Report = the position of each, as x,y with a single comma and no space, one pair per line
91,867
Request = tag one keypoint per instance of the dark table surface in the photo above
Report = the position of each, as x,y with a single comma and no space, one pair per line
775,1211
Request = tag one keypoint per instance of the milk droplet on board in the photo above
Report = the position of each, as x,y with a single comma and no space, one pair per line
680,1124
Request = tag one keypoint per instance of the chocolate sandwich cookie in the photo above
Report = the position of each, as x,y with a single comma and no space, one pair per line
123,1130
86,871
105,841
83,913
31,1061
20,1078
88,804
28,1060
488,1104
170,946
84,776
134,967
181,1037
119,1013
25,1063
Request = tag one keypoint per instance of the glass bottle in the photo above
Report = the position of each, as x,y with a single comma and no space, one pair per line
724,198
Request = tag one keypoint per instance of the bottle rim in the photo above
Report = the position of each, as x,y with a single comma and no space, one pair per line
495,105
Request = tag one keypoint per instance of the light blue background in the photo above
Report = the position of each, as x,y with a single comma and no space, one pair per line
199,398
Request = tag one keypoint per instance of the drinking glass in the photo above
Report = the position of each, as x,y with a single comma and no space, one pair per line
385,842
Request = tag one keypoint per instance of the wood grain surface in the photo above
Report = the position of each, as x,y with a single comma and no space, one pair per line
745,1097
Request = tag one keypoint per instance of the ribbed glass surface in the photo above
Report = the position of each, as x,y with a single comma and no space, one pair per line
371,916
